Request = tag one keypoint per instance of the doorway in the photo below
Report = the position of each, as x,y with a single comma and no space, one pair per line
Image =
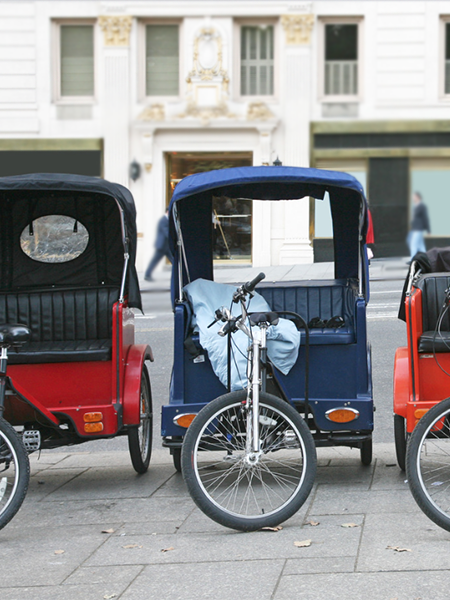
231,217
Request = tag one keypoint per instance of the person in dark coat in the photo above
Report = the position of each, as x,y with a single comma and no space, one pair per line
419,224
161,245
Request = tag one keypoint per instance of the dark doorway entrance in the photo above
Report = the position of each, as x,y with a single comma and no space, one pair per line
388,195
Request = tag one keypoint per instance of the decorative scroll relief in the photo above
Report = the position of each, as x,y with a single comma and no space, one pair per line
258,111
116,29
155,112
298,28
208,57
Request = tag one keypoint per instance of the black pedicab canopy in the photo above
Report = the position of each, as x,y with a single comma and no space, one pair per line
192,202
105,209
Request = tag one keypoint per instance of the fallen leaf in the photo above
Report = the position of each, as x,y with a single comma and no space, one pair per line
109,596
108,530
398,549
41,482
277,528
59,551
167,549
132,546
349,525
313,523
303,544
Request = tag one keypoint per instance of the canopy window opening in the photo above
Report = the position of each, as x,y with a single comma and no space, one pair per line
231,217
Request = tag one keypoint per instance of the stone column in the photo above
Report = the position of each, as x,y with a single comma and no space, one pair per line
116,85
296,101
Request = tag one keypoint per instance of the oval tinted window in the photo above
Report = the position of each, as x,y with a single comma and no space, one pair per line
54,239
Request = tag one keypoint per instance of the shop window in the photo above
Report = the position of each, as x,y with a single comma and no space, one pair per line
431,179
76,61
257,60
162,63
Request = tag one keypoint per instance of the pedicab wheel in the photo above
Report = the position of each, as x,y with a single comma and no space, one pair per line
14,472
234,486
428,464
366,452
176,457
140,438
400,440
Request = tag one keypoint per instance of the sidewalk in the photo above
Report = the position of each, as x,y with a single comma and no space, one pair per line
379,270
90,529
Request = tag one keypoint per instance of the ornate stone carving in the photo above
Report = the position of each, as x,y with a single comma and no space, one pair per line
116,29
206,113
258,111
207,58
298,28
155,112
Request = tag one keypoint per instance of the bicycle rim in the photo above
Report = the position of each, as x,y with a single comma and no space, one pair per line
9,473
433,464
230,482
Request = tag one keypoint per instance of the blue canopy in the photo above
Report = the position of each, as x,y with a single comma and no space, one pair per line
193,198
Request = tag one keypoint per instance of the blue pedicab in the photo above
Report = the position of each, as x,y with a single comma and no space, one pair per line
260,379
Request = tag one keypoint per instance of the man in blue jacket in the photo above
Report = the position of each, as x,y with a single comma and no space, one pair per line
419,224
161,245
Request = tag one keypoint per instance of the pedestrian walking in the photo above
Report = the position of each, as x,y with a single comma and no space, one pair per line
161,246
419,224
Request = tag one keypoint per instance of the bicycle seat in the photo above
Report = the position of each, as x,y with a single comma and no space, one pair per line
271,318
14,335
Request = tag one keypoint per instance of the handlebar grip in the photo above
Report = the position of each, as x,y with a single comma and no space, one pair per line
250,285
227,328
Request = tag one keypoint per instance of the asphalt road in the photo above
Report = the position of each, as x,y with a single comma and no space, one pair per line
386,333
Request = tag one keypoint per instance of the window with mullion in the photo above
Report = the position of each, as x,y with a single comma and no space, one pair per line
77,60
257,62
341,59
447,58
162,63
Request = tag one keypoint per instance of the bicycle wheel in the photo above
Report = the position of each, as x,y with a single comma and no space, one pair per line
428,464
234,487
14,472
140,438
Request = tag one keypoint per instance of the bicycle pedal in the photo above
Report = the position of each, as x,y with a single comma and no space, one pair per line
31,439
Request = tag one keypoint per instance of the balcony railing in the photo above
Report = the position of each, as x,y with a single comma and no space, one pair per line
341,77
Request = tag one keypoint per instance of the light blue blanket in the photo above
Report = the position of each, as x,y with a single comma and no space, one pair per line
283,340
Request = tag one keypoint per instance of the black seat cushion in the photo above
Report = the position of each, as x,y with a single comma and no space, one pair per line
441,342
66,325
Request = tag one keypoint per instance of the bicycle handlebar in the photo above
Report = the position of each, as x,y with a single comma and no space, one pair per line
250,285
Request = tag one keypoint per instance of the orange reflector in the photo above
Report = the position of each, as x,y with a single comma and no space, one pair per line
93,427
93,417
184,420
342,415
419,412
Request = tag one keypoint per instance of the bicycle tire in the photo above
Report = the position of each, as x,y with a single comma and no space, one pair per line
140,438
428,464
400,440
233,492
14,472
176,458
366,452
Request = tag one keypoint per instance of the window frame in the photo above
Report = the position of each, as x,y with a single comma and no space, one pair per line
142,91
444,21
341,20
255,22
58,98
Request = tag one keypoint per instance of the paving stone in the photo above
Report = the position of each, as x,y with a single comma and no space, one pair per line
422,585
70,592
342,499
428,544
220,546
245,580
115,577
30,559
112,482
335,564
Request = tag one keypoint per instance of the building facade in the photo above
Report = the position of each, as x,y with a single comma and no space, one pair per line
146,92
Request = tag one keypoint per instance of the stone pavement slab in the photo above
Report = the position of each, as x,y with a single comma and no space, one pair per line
159,545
